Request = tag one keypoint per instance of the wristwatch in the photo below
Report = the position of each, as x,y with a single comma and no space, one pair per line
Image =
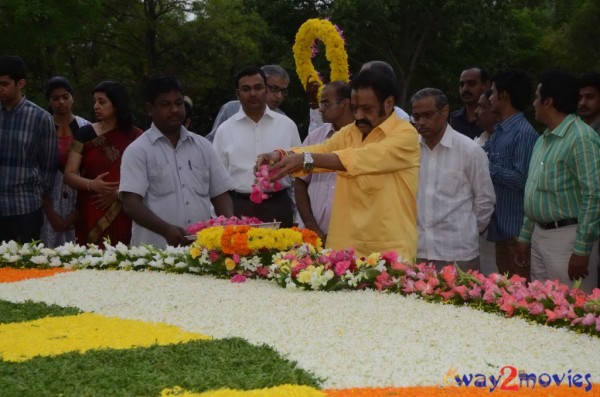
309,163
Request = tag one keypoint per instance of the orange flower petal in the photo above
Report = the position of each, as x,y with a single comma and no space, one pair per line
11,275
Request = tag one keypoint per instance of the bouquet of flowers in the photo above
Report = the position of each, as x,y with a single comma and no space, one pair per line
245,251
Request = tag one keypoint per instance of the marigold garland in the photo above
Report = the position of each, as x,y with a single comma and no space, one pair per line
244,240
324,30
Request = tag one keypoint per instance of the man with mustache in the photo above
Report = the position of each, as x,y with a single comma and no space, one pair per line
277,89
254,129
589,99
170,176
377,163
473,82
562,197
456,196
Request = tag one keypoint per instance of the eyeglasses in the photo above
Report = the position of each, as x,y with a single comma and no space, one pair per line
276,90
246,89
416,117
326,104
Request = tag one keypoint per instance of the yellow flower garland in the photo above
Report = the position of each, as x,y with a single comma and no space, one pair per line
335,52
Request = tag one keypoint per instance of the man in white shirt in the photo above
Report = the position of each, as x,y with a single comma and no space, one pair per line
456,197
253,130
170,176
278,81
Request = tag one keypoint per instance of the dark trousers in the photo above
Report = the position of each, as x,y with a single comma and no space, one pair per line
278,207
21,228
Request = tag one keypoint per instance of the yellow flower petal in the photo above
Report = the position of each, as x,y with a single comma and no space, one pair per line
57,335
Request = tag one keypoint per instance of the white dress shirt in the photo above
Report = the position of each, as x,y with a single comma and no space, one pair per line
239,140
176,183
455,199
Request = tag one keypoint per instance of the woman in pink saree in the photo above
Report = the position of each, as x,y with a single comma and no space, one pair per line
93,167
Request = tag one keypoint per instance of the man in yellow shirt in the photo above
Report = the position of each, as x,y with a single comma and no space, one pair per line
377,163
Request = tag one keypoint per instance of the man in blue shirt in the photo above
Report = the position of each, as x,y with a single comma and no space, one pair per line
28,156
509,151
473,82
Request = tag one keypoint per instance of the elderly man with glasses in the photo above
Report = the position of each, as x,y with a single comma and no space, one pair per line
456,197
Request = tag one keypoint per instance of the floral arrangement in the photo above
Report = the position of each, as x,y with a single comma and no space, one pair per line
263,184
331,36
549,302
246,251
222,221
294,259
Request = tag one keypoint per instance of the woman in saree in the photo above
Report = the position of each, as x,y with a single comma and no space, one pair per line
60,210
94,163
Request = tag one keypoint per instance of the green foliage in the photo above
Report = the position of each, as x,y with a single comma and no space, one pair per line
27,311
197,366
203,43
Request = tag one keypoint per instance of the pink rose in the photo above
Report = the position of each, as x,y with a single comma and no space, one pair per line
342,267
238,278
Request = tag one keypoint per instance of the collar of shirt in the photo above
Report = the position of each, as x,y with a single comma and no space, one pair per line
154,134
507,125
385,127
596,124
562,128
446,140
17,107
241,114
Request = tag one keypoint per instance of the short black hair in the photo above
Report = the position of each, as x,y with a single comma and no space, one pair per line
249,71
589,79
517,84
160,85
342,89
562,87
13,67
57,82
382,84
484,74
119,97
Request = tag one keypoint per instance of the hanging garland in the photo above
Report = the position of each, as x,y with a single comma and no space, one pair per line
331,36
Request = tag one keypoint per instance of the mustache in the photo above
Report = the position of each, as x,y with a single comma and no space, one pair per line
363,122
466,93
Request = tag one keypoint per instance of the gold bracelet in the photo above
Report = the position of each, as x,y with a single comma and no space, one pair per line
88,185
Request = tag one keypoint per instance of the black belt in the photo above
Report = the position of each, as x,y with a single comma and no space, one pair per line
246,196
557,224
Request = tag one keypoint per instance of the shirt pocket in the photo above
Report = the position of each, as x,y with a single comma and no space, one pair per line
370,183
554,177
450,182
200,178
505,160
160,180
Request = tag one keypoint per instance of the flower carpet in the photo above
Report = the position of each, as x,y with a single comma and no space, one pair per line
160,333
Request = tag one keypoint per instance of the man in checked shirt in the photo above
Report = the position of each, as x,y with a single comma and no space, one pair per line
28,156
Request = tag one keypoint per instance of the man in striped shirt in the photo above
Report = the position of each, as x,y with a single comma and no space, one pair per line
28,156
509,151
562,196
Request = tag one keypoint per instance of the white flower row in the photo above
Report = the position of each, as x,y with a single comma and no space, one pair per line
352,338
